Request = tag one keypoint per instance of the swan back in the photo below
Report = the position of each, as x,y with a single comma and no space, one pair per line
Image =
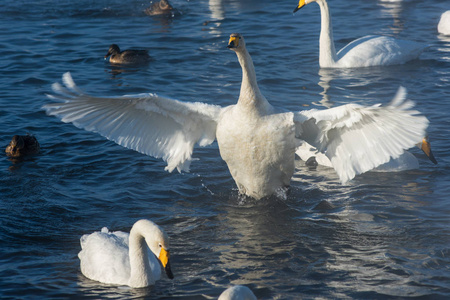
104,257
444,23
238,292
375,50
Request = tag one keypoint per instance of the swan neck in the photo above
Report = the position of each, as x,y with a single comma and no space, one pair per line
250,95
327,55
140,270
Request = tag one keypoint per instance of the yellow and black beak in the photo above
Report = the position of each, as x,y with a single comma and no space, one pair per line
164,259
233,42
426,148
301,3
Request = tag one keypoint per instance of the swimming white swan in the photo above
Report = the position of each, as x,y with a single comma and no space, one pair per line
237,292
367,51
256,140
124,259
444,23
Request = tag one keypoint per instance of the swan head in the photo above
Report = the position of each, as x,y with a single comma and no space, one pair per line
113,49
236,42
302,3
425,146
157,240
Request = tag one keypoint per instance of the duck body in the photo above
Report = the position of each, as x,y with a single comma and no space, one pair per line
122,258
22,145
126,56
367,51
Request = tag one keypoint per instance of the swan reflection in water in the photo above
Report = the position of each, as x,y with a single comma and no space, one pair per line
218,10
393,9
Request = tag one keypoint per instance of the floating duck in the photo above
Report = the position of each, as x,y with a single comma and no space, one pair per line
162,7
21,145
126,56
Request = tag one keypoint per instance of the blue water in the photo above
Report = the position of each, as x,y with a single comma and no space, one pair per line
383,235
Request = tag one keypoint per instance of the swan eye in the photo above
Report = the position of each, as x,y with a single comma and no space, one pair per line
159,245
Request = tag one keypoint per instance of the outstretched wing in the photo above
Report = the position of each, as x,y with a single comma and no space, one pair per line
150,124
357,139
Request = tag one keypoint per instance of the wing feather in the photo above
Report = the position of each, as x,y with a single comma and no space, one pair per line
357,139
150,124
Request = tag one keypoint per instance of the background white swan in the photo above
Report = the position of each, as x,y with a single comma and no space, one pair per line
124,259
237,292
444,23
256,140
364,52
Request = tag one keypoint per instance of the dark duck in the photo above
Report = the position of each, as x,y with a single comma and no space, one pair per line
22,145
162,7
126,56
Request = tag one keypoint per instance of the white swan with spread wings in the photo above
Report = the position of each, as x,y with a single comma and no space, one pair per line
256,140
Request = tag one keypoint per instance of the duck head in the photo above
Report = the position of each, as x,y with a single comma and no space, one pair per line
15,146
113,49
